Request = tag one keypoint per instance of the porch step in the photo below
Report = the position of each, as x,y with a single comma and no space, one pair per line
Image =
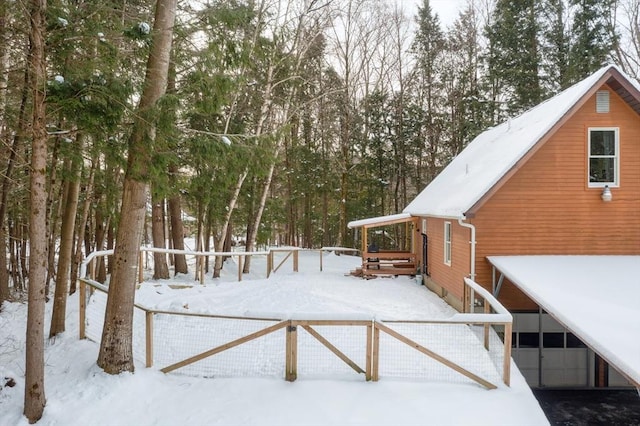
405,270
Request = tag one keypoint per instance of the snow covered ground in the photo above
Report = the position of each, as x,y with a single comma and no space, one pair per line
79,393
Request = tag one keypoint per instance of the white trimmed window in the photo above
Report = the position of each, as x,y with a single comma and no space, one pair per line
447,243
604,156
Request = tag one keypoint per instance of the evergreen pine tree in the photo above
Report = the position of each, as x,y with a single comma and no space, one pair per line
514,53
593,36
428,47
555,44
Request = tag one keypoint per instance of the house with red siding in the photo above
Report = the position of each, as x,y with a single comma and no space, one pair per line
562,179
535,185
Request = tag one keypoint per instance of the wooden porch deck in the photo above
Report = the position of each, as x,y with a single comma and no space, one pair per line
385,263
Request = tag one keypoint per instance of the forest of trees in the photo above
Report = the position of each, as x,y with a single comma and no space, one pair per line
268,121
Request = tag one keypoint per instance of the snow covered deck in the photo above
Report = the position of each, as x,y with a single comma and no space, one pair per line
596,297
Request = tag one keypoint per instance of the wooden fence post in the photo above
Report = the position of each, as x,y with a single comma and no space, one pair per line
295,260
487,310
83,308
291,361
369,358
375,353
202,262
140,268
92,267
506,369
149,338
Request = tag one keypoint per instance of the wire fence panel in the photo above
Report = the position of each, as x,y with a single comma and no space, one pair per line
96,307
316,360
456,342
452,351
495,352
95,314
178,337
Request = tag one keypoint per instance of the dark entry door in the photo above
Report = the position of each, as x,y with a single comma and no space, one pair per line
425,241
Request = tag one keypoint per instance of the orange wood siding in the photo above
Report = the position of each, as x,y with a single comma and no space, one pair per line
448,277
547,207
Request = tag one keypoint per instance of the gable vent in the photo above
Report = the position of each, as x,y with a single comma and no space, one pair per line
602,101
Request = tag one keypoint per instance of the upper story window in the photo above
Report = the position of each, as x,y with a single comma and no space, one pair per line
604,156
447,243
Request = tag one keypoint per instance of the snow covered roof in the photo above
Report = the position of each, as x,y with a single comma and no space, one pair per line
380,220
596,297
493,154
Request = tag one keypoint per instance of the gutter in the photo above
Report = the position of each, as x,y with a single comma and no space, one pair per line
461,222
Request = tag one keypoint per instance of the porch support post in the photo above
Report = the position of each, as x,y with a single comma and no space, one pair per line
496,290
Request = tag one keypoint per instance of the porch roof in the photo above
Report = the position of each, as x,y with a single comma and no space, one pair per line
380,221
596,297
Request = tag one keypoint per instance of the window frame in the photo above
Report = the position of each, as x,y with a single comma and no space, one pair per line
447,243
616,158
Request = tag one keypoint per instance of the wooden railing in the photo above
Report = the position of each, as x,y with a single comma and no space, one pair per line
89,264
494,315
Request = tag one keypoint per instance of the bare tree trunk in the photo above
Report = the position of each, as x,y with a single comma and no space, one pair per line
5,294
160,267
100,232
16,277
116,352
65,254
54,207
6,180
86,207
177,233
24,244
34,397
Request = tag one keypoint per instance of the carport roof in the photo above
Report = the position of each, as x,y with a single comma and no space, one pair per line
596,297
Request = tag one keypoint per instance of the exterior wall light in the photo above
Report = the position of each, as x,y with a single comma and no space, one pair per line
606,194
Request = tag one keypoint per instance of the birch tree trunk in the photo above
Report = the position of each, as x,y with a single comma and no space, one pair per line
217,267
264,111
34,397
116,352
253,230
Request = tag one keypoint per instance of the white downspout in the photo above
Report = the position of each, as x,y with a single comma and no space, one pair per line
472,274
473,247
